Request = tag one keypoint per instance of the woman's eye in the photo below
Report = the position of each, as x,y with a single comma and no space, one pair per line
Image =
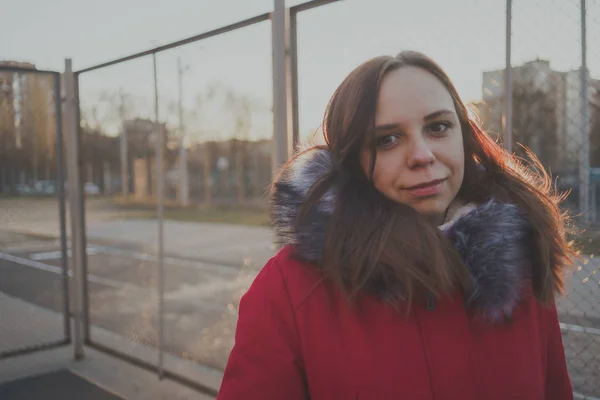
439,127
386,141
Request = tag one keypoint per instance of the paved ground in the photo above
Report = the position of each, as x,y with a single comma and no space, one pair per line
207,268
200,299
225,244
32,323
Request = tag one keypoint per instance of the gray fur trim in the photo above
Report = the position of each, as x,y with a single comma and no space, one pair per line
494,239
287,196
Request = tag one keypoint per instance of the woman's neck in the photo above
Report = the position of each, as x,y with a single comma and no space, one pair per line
457,208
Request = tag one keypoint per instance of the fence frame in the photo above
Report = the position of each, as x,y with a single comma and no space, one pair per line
62,214
158,368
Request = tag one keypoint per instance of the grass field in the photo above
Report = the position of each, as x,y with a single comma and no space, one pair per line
252,216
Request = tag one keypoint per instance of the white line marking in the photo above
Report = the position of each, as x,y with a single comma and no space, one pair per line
57,254
58,270
136,255
48,255
579,328
202,303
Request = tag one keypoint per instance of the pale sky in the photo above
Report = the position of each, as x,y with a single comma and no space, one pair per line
465,36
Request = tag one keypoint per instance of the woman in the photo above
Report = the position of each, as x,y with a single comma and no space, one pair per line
420,261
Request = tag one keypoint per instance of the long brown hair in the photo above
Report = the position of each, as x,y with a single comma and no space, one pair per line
382,234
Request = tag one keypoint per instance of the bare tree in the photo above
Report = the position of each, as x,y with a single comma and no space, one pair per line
489,114
535,123
221,109
241,108
37,125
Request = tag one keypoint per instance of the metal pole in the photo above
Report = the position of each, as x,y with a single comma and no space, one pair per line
584,151
76,204
184,182
593,216
508,83
62,208
123,148
83,254
294,79
282,129
159,211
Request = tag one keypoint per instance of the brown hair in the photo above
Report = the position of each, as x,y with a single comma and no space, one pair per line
377,233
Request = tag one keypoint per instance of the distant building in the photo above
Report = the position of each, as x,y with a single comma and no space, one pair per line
27,122
563,88
17,64
7,109
141,147
12,86
141,137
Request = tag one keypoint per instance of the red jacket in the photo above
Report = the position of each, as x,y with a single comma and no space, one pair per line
297,338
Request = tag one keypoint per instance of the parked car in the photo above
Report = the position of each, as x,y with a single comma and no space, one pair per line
44,187
91,188
23,189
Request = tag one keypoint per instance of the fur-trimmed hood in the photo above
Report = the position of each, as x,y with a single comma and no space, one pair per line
494,239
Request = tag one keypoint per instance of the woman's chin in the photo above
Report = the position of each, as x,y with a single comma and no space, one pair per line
433,211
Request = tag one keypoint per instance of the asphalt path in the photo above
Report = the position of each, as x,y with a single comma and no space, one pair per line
200,299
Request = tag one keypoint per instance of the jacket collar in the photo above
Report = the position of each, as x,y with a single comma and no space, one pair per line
494,238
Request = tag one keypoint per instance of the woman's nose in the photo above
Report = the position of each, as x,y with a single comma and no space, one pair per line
420,154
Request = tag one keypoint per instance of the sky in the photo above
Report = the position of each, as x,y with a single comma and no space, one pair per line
466,37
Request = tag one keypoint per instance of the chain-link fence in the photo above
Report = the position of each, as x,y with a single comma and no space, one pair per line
555,96
34,299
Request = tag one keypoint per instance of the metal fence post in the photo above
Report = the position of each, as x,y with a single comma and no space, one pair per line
159,211
282,90
508,83
294,79
62,208
76,207
584,150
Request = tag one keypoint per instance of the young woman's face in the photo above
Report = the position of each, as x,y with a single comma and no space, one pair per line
419,145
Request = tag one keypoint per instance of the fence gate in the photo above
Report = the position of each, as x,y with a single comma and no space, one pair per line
34,277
